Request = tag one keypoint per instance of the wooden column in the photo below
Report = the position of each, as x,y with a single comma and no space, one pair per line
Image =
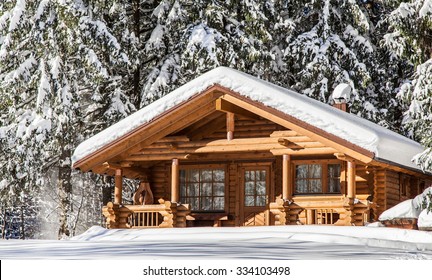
230,125
118,187
175,181
351,174
286,180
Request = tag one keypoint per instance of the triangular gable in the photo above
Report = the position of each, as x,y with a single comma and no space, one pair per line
355,137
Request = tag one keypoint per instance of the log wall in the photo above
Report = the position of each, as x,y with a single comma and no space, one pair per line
245,128
159,181
386,191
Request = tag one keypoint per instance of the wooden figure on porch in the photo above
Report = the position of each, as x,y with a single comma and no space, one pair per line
143,195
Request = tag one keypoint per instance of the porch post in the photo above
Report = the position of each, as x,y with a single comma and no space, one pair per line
175,182
230,126
351,192
286,180
118,187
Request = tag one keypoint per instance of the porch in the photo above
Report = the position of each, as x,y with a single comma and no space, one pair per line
253,193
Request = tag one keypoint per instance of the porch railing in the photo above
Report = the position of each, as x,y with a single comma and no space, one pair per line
163,215
320,210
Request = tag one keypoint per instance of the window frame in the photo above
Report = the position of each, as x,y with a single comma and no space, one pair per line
324,176
208,167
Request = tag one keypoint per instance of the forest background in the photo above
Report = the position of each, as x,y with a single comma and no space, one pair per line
70,68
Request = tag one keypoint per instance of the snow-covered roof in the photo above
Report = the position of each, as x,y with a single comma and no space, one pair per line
386,145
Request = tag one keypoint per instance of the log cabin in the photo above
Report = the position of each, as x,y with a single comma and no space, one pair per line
229,149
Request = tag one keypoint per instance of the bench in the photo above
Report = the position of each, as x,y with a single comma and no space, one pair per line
217,218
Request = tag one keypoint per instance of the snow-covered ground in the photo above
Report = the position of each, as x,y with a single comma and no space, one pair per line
273,242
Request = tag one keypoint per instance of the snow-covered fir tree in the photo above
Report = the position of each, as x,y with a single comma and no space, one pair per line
332,43
410,37
56,61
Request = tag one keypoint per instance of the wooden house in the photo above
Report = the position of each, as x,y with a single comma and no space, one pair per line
229,149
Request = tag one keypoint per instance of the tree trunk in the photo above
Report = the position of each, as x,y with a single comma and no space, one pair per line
137,75
65,194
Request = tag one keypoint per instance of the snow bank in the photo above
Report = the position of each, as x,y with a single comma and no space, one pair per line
385,144
363,236
405,209
270,242
425,219
410,208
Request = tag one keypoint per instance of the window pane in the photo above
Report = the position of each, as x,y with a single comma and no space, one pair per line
315,171
260,201
249,200
334,185
206,203
194,202
206,175
301,186
249,188
182,176
261,188
249,175
183,190
315,186
193,175
218,189
219,175
334,170
219,203
261,175
206,189
301,171
193,189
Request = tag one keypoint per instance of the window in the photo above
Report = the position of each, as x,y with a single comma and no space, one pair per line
317,178
255,188
333,178
203,189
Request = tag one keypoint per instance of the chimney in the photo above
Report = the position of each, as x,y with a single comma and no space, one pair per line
341,95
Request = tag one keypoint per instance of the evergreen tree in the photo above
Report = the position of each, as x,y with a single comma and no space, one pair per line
56,59
410,37
332,43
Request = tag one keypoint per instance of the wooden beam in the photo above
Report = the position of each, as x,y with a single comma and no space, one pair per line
230,125
296,141
230,156
310,151
284,133
175,181
344,157
157,157
351,173
128,170
225,106
118,187
339,144
272,148
287,190
169,139
293,146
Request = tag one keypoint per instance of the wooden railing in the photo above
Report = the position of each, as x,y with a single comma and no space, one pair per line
145,216
163,215
320,210
322,216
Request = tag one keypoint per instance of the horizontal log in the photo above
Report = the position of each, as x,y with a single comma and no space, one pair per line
284,133
225,106
309,151
170,139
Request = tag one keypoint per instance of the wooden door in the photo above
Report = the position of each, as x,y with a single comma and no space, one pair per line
254,189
